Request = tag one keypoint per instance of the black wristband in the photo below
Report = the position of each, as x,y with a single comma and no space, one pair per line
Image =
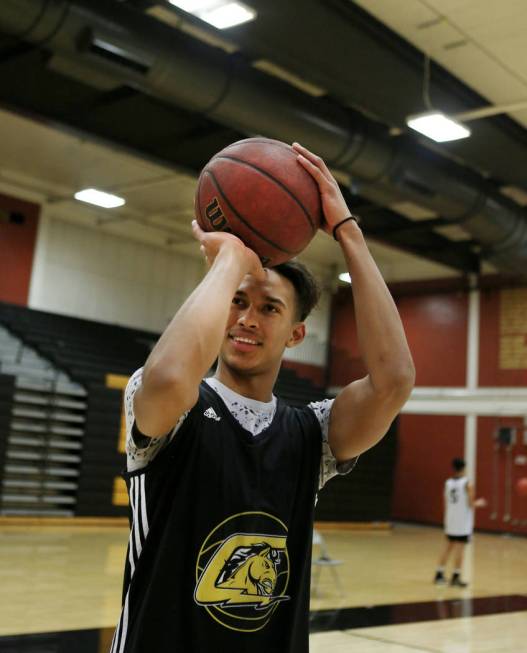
350,217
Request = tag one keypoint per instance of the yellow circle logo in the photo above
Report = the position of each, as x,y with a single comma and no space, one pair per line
242,570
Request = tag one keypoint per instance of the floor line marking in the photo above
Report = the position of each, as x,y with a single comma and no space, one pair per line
385,640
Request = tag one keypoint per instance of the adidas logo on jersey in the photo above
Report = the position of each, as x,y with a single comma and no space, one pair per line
211,414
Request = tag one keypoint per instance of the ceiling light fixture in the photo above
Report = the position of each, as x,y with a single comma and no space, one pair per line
437,126
193,6
219,13
99,198
440,127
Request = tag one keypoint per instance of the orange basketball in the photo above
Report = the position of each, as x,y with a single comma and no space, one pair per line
257,190
521,486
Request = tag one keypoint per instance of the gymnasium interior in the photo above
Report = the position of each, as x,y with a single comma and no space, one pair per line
133,98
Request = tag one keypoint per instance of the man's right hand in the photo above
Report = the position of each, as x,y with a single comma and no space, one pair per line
192,340
214,242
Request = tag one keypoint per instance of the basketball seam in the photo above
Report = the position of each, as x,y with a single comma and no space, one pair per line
199,203
276,181
242,220
267,141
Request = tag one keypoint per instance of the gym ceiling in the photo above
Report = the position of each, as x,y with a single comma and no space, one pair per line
143,78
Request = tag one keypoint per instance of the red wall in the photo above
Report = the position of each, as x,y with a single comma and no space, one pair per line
315,373
426,446
17,246
498,469
435,321
503,317
345,362
435,325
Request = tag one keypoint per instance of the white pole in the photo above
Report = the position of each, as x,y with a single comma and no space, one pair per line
472,377
471,447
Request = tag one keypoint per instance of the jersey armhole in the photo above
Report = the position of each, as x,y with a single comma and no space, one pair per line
142,441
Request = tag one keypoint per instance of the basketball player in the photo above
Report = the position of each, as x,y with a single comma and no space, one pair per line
459,504
222,475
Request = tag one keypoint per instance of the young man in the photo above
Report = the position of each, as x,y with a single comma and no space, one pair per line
222,514
459,504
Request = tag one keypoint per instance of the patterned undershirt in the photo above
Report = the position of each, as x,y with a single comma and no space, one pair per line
254,416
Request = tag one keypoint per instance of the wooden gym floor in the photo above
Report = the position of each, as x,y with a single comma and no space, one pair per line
63,584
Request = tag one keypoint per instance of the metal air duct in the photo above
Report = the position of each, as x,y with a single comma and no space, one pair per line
140,51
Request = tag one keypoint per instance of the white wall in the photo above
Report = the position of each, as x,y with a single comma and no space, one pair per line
87,273
313,348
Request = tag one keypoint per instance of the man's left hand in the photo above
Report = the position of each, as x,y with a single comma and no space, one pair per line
334,205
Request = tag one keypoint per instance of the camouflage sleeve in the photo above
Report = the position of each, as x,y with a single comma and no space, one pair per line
328,463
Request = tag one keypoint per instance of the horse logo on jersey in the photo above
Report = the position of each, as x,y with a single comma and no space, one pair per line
243,570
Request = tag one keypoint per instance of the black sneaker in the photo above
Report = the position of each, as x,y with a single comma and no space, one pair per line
457,582
439,578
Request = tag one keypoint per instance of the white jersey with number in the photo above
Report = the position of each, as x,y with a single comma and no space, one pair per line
459,516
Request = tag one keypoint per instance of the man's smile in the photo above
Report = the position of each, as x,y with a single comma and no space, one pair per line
244,342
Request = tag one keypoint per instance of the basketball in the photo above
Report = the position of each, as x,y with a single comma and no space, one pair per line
521,486
257,190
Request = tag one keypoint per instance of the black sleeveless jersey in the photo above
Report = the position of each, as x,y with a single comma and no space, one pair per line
219,555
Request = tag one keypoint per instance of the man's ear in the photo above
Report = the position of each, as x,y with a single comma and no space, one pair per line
297,335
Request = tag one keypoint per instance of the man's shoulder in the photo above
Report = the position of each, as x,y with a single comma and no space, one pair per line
322,411
322,406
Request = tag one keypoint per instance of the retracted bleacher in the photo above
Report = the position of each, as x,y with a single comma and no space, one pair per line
59,421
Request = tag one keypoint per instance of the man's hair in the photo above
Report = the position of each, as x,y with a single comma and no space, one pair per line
458,464
305,285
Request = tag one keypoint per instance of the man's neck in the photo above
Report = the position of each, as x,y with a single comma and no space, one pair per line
254,386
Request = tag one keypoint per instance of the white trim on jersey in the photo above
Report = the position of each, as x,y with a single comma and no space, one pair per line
115,635
121,629
144,517
125,623
137,538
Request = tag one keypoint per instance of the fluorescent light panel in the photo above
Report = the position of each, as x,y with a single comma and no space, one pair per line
345,277
438,127
193,6
219,13
99,198
229,15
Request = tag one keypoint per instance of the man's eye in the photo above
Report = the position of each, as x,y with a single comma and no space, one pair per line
271,307
236,300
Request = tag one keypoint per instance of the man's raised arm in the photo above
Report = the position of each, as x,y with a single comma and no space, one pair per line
191,342
364,409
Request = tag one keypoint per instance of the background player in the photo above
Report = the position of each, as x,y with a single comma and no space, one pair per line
459,504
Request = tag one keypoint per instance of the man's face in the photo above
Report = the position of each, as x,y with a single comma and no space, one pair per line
262,322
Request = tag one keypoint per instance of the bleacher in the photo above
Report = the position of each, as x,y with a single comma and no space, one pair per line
296,390
59,422
86,349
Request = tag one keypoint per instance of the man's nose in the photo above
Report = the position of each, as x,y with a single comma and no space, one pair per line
248,318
